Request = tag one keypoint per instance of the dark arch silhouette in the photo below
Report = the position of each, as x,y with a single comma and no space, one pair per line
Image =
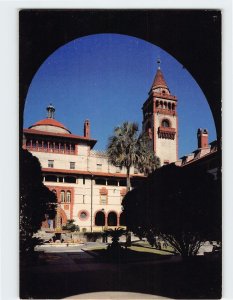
112,219
100,218
193,37
122,219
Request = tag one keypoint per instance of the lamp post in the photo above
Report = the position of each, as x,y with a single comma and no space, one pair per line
104,219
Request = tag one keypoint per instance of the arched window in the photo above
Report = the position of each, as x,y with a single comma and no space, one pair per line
165,123
62,196
68,196
169,106
112,219
100,218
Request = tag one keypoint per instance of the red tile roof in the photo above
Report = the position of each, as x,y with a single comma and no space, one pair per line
50,122
92,142
159,80
65,171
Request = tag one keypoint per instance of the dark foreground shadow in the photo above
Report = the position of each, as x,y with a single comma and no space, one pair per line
196,278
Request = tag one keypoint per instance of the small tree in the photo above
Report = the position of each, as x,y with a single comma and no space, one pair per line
36,201
70,226
115,246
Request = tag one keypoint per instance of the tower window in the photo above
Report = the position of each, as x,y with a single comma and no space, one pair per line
165,123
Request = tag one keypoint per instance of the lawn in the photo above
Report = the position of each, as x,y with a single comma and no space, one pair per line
135,253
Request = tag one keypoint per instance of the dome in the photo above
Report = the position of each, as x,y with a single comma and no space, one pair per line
50,125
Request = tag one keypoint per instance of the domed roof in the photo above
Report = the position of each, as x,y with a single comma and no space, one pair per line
49,124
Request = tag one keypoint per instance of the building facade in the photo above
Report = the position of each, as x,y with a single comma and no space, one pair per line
88,188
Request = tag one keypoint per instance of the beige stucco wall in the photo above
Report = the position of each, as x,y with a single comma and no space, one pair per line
165,148
50,128
84,194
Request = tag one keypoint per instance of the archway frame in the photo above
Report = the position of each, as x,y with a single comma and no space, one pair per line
193,36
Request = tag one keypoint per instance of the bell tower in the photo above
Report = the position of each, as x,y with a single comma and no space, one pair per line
160,119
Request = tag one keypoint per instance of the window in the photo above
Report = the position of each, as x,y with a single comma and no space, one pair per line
100,181
135,170
118,169
99,167
51,178
165,123
113,182
103,199
70,179
68,196
72,165
83,215
50,163
63,196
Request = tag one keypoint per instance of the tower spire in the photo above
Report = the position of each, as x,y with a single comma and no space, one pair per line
159,82
158,62
50,111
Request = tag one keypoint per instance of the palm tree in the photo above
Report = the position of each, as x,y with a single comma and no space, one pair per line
147,161
122,147
126,148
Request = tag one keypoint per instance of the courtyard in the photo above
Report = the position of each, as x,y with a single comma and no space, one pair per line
78,272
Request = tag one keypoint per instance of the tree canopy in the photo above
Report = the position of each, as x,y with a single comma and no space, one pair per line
36,200
181,205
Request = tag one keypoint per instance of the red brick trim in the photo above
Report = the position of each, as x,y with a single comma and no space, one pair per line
123,192
164,96
103,191
63,216
58,190
76,172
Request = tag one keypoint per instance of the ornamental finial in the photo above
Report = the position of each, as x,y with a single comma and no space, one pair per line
158,62
51,111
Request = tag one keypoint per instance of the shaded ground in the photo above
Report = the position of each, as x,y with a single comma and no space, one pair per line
59,275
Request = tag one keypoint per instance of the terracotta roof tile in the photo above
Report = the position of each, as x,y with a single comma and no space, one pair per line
51,122
159,80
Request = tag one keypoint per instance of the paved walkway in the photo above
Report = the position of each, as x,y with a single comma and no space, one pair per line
116,295
71,273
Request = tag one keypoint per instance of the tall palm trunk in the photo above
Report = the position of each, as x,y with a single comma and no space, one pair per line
128,183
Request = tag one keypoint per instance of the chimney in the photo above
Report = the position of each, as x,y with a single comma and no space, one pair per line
202,138
87,129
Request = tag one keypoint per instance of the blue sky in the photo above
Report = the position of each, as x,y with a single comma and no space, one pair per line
106,78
